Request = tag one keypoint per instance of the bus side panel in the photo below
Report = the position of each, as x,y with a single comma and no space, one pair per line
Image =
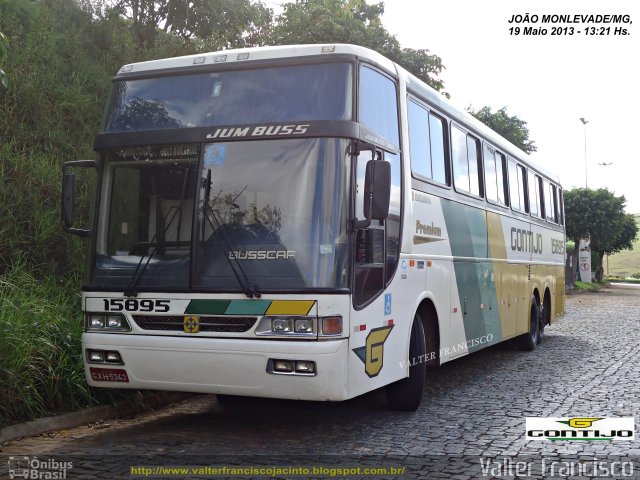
378,341
559,293
503,278
475,279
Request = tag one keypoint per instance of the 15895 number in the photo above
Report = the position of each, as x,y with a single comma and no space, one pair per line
135,305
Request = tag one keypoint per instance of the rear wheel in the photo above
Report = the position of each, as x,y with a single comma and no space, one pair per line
406,394
529,340
545,316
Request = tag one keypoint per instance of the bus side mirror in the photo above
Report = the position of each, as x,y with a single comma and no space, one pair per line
69,196
377,189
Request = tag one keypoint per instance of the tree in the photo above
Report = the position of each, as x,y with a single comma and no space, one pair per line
599,214
219,23
4,43
356,22
510,127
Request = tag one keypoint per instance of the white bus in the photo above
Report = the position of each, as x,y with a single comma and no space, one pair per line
306,222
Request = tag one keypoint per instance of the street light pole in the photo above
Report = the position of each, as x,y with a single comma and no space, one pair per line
584,125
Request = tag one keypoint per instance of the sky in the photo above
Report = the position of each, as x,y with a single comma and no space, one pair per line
549,81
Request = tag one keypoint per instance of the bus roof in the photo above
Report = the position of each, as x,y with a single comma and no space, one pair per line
242,55
414,84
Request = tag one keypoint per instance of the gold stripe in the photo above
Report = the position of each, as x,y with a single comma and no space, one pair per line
290,307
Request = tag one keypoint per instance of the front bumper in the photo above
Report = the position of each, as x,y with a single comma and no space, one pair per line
223,365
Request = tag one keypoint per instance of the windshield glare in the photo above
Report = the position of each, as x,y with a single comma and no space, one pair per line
282,94
277,210
274,211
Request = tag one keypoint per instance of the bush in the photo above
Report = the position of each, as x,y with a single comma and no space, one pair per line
63,57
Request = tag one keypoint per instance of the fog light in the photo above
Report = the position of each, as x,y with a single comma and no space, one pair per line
304,366
96,321
281,325
113,357
303,325
331,325
95,356
282,366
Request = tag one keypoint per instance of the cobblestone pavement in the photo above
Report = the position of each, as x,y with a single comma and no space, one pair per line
474,408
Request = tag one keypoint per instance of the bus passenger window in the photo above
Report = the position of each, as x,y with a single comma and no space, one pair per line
460,160
474,176
490,180
501,178
535,203
438,161
517,178
466,176
426,142
552,202
419,140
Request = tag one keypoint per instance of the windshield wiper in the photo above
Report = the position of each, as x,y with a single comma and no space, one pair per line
131,290
249,288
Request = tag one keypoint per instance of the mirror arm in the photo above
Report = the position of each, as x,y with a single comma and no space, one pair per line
359,146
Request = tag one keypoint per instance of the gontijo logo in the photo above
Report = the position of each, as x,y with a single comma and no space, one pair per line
580,428
372,354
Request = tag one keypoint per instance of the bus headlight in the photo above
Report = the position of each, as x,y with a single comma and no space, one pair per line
106,322
281,325
287,326
303,325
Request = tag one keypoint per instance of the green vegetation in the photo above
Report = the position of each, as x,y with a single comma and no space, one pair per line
625,264
511,128
49,112
599,214
589,287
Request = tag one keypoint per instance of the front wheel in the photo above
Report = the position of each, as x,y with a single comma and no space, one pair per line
406,394
529,340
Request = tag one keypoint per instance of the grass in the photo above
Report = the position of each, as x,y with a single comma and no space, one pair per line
626,263
58,84
589,287
40,361
41,368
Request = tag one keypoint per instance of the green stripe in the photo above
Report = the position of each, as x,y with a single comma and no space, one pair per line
467,231
207,307
248,307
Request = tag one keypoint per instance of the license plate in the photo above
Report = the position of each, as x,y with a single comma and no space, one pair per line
109,375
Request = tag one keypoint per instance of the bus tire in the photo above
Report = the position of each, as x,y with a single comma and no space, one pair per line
529,340
406,394
545,314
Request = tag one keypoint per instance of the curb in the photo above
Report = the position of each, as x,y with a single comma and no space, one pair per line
88,415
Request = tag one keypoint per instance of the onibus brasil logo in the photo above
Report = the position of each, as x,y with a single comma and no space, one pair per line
580,428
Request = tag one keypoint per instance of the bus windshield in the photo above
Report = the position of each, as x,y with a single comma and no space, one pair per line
277,94
273,213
